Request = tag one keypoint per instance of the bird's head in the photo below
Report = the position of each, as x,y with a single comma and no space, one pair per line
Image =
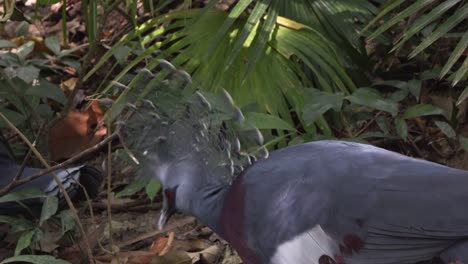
189,140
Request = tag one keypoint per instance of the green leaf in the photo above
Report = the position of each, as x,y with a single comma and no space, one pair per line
24,241
371,98
431,74
319,103
401,16
49,208
28,73
373,134
22,195
265,121
6,44
461,73
67,220
456,54
418,25
446,129
121,53
394,83
275,87
23,29
17,224
463,96
152,188
451,22
392,5
7,219
422,110
117,107
25,50
399,95
414,86
254,18
35,259
463,142
53,44
383,123
14,117
132,188
401,127
296,140
262,38
48,90
233,15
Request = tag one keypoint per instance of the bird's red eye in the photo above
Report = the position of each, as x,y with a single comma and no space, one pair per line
169,195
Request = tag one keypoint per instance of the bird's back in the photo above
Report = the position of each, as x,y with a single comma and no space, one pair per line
353,202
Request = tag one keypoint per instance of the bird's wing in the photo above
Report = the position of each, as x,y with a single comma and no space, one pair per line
72,179
378,206
406,210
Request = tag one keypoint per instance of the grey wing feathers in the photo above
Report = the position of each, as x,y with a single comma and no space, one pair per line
413,209
404,209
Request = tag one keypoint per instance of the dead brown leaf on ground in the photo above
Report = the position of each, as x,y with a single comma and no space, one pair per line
79,130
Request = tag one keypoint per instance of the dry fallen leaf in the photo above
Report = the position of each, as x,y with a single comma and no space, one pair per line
162,245
173,257
208,256
230,257
76,132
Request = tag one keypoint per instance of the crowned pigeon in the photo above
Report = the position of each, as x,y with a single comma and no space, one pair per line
72,179
324,202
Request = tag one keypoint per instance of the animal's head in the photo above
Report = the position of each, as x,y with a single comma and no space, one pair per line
189,141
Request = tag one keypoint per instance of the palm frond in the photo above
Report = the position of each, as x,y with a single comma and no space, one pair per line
278,47
444,16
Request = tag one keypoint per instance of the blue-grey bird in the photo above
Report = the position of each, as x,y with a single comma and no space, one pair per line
74,179
324,202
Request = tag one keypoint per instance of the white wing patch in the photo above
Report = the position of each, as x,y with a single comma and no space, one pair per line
307,247
67,177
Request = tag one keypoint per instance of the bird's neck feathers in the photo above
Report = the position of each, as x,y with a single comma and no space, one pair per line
201,187
208,203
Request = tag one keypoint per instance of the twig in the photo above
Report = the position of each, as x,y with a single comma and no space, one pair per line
129,207
154,233
129,152
23,165
59,183
91,212
28,155
66,163
416,148
109,189
119,206
367,125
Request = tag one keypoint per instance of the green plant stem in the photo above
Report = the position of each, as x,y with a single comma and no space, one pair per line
109,189
64,23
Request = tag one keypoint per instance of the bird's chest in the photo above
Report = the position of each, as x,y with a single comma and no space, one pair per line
232,223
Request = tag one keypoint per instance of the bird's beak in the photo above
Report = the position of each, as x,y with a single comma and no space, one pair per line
164,218
167,211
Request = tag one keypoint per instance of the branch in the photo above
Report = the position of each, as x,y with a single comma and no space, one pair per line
62,165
